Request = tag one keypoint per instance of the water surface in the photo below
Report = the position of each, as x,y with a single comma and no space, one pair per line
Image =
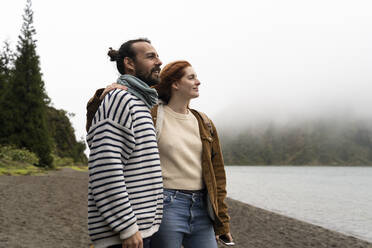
337,198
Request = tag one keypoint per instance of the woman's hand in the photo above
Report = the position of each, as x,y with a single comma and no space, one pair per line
227,235
112,87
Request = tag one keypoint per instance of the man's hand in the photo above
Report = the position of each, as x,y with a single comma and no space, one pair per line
134,241
112,87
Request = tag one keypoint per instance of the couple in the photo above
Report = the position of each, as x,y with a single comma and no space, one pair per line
132,132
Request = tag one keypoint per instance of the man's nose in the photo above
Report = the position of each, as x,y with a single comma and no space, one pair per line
158,62
198,82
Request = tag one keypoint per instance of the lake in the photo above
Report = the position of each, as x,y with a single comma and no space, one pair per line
337,198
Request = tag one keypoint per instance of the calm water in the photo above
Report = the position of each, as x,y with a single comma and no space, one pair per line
337,198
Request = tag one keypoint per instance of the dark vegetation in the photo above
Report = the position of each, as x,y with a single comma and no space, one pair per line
27,119
323,141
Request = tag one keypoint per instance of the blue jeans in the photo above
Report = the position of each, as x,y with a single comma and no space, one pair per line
185,222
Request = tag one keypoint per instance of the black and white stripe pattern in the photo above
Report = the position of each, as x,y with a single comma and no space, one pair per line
125,181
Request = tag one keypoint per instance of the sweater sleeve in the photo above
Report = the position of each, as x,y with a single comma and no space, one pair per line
111,141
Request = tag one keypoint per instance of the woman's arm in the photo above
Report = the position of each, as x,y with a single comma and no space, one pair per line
92,107
219,171
95,101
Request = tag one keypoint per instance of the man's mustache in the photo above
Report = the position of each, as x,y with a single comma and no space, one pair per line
157,68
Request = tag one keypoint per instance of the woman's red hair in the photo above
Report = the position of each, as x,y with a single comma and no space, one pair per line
171,73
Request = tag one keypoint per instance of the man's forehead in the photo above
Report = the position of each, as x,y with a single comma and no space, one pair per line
143,47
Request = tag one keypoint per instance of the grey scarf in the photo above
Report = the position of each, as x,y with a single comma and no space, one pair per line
140,89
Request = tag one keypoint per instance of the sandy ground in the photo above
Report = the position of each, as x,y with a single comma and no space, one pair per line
50,211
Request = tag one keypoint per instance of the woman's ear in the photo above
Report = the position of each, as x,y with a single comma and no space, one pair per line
175,85
128,64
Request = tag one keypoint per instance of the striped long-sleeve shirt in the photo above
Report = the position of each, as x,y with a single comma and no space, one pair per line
125,181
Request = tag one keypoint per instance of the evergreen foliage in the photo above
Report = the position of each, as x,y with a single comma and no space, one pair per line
24,110
6,67
23,119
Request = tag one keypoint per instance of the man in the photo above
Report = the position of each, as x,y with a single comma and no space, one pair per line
125,181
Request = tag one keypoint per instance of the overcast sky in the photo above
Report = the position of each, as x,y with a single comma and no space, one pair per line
255,58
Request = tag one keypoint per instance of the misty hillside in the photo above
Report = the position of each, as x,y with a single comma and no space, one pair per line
312,142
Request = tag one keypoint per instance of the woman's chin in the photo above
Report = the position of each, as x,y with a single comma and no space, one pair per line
193,96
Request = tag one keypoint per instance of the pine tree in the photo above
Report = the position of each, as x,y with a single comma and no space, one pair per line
26,99
6,66
6,72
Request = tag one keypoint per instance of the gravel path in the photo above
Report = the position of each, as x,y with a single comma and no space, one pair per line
50,211
44,211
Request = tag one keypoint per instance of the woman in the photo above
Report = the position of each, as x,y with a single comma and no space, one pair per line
192,166
194,212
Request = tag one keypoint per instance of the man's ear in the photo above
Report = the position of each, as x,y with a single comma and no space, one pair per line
129,64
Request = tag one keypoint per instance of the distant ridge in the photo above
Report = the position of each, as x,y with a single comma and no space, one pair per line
313,142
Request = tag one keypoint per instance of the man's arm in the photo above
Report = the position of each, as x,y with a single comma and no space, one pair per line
111,141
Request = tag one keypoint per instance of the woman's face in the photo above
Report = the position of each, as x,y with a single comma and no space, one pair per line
188,85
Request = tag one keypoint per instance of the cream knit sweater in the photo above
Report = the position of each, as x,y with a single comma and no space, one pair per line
180,149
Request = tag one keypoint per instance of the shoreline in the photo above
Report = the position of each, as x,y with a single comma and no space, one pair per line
257,227
50,211
307,221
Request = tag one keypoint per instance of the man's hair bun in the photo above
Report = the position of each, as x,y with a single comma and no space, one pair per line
113,54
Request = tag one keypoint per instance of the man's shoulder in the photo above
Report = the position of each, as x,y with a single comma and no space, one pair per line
118,94
119,97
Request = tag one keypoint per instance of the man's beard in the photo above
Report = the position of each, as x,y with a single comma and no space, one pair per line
148,78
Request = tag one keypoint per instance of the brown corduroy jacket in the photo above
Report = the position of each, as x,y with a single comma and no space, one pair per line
212,164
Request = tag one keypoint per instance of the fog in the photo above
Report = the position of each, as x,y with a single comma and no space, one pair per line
258,61
289,112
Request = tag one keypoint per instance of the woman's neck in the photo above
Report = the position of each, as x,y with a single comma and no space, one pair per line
179,105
